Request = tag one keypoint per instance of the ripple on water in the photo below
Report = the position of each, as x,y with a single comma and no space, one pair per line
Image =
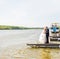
30,53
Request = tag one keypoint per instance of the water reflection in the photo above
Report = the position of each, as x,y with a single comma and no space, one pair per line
30,53
45,54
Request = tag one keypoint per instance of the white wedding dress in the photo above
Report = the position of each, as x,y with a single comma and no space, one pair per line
42,38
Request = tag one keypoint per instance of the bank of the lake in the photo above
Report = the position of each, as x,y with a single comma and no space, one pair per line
5,27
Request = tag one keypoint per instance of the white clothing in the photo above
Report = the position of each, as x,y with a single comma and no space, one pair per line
42,38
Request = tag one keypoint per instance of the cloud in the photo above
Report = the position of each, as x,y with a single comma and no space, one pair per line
29,12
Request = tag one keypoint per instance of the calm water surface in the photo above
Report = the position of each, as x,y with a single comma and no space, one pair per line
13,45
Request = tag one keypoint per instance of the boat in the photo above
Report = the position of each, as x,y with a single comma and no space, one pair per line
54,34
55,28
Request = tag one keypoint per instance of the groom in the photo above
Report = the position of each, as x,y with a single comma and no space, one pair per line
47,35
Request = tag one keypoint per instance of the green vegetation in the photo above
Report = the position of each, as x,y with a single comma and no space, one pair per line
4,27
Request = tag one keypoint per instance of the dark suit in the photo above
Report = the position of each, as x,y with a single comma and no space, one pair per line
47,35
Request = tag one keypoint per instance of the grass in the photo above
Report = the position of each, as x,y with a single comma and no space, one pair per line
5,27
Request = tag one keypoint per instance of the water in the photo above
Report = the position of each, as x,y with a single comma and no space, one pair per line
13,45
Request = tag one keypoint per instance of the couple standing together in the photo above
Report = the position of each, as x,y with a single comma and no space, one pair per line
44,37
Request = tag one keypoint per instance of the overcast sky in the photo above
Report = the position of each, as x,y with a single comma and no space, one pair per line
31,13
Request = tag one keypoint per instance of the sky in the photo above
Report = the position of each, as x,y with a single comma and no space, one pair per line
29,13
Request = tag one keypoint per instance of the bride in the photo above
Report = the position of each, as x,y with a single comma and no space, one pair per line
42,38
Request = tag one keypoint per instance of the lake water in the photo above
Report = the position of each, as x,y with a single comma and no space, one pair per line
13,45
